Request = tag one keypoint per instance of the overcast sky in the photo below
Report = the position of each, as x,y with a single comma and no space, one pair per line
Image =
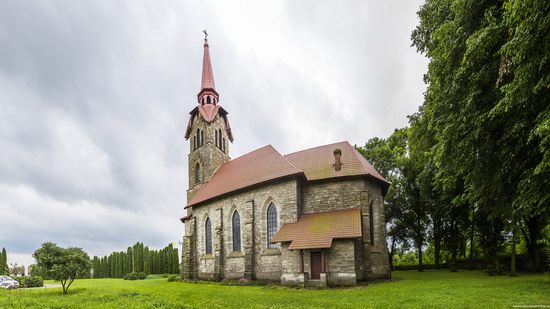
95,97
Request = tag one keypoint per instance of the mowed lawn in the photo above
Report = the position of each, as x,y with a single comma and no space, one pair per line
408,289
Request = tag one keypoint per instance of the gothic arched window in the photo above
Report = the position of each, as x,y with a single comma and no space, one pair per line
371,223
198,138
217,138
194,143
208,100
271,224
236,226
202,137
223,145
197,173
208,236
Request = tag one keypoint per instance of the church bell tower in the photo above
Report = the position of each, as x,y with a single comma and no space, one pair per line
208,131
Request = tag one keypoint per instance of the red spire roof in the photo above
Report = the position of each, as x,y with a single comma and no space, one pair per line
207,81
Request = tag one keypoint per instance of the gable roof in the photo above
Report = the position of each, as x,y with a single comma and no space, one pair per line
266,164
261,165
318,163
317,230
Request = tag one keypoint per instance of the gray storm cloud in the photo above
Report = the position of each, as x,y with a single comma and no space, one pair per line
95,96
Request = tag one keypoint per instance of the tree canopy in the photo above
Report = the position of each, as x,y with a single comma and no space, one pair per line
63,264
4,269
474,164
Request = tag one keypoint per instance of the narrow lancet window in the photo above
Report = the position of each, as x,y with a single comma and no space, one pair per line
197,173
371,223
271,225
208,236
236,231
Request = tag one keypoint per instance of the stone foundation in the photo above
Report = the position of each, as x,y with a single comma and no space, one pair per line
294,279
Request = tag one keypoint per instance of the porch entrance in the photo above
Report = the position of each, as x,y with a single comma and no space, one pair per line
316,265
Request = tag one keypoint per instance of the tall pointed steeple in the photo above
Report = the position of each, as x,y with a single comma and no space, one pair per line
207,75
208,93
208,130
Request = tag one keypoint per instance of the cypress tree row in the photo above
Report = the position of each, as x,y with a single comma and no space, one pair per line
4,269
137,258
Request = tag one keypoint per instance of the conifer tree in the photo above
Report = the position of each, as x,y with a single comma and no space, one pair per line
4,269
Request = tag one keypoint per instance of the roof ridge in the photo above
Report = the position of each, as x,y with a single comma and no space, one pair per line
287,161
292,153
257,149
363,160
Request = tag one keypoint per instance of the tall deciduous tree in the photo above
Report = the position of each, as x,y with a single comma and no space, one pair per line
488,104
405,209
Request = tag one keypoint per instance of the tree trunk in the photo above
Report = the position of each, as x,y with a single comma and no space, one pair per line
534,224
514,239
472,240
420,268
437,242
494,248
392,252
419,247
453,241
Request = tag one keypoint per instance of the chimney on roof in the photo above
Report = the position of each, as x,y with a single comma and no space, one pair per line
337,162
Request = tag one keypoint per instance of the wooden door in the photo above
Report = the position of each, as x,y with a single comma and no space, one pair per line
315,265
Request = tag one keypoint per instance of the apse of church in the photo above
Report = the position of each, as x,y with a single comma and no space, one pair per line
313,217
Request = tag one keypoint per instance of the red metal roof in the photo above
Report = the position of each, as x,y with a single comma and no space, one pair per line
317,230
207,80
318,163
208,112
258,166
266,164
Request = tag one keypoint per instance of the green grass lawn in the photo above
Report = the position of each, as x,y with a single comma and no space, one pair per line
463,289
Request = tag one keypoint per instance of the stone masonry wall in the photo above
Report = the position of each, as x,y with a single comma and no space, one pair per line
208,156
372,260
254,260
340,262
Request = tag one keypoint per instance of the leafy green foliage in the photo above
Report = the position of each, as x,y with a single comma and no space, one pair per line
405,211
171,278
485,122
138,258
4,268
63,264
30,281
135,276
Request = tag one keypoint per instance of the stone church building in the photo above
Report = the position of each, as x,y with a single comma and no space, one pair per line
313,217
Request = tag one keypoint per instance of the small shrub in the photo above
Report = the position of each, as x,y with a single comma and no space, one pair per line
243,281
135,276
30,281
164,275
171,278
153,277
495,271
